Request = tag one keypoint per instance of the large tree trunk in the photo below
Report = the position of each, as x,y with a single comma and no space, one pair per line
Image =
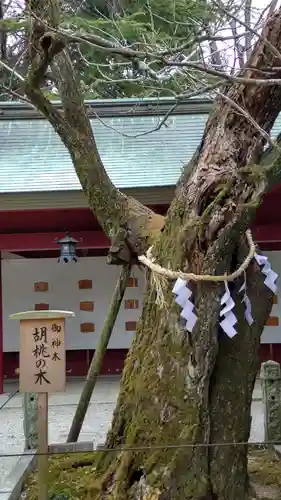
179,389
174,394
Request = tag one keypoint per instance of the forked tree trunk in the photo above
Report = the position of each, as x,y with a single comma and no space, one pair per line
178,389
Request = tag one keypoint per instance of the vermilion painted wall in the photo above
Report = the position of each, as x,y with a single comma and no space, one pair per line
77,363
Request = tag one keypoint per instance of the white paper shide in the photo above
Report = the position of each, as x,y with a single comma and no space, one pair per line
247,304
183,294
270,275
230,319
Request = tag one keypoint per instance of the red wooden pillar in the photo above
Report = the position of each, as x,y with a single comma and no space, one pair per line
1,331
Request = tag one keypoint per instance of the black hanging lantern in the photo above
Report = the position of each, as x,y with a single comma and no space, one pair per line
67,249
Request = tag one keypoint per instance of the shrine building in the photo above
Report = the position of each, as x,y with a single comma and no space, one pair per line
41,198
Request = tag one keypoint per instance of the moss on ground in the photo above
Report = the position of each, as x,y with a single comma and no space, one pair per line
264,467
72,476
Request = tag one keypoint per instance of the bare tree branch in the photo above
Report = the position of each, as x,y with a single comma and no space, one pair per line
20,97
129,53
248,37
247,115
105,45
162,121
269,10
3,35
12,71
237,45
225,76
261,36
122,218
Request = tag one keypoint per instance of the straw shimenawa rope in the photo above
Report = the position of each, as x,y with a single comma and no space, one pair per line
148,261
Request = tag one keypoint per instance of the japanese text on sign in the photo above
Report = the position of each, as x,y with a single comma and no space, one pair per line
42,356
42,352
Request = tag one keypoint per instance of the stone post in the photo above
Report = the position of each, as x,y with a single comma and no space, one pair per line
271,394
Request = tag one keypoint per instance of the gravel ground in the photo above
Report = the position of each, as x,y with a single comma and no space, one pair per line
61,411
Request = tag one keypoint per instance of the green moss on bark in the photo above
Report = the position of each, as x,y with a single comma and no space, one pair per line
169,391
152,411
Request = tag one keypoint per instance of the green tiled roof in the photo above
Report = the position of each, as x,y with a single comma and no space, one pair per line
33,158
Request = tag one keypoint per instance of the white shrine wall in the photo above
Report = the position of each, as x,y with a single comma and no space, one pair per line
272,334
18,294
18,280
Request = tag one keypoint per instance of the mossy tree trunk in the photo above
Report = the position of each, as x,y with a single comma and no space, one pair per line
198,389
176,388
178,391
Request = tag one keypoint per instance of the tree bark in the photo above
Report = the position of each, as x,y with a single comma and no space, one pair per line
179,389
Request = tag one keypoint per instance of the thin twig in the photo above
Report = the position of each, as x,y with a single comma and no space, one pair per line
108,46
237,46
165,117
11,70
264,134
225,76
267,43
270,8
17,95
248,38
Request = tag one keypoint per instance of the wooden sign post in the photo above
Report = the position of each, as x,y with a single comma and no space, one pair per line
42,370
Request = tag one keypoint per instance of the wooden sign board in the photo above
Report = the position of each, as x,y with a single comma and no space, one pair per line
42,351
42,370
42,355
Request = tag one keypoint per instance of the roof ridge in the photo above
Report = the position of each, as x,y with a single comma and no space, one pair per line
114,107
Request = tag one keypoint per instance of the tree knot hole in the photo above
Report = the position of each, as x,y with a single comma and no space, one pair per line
135,476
